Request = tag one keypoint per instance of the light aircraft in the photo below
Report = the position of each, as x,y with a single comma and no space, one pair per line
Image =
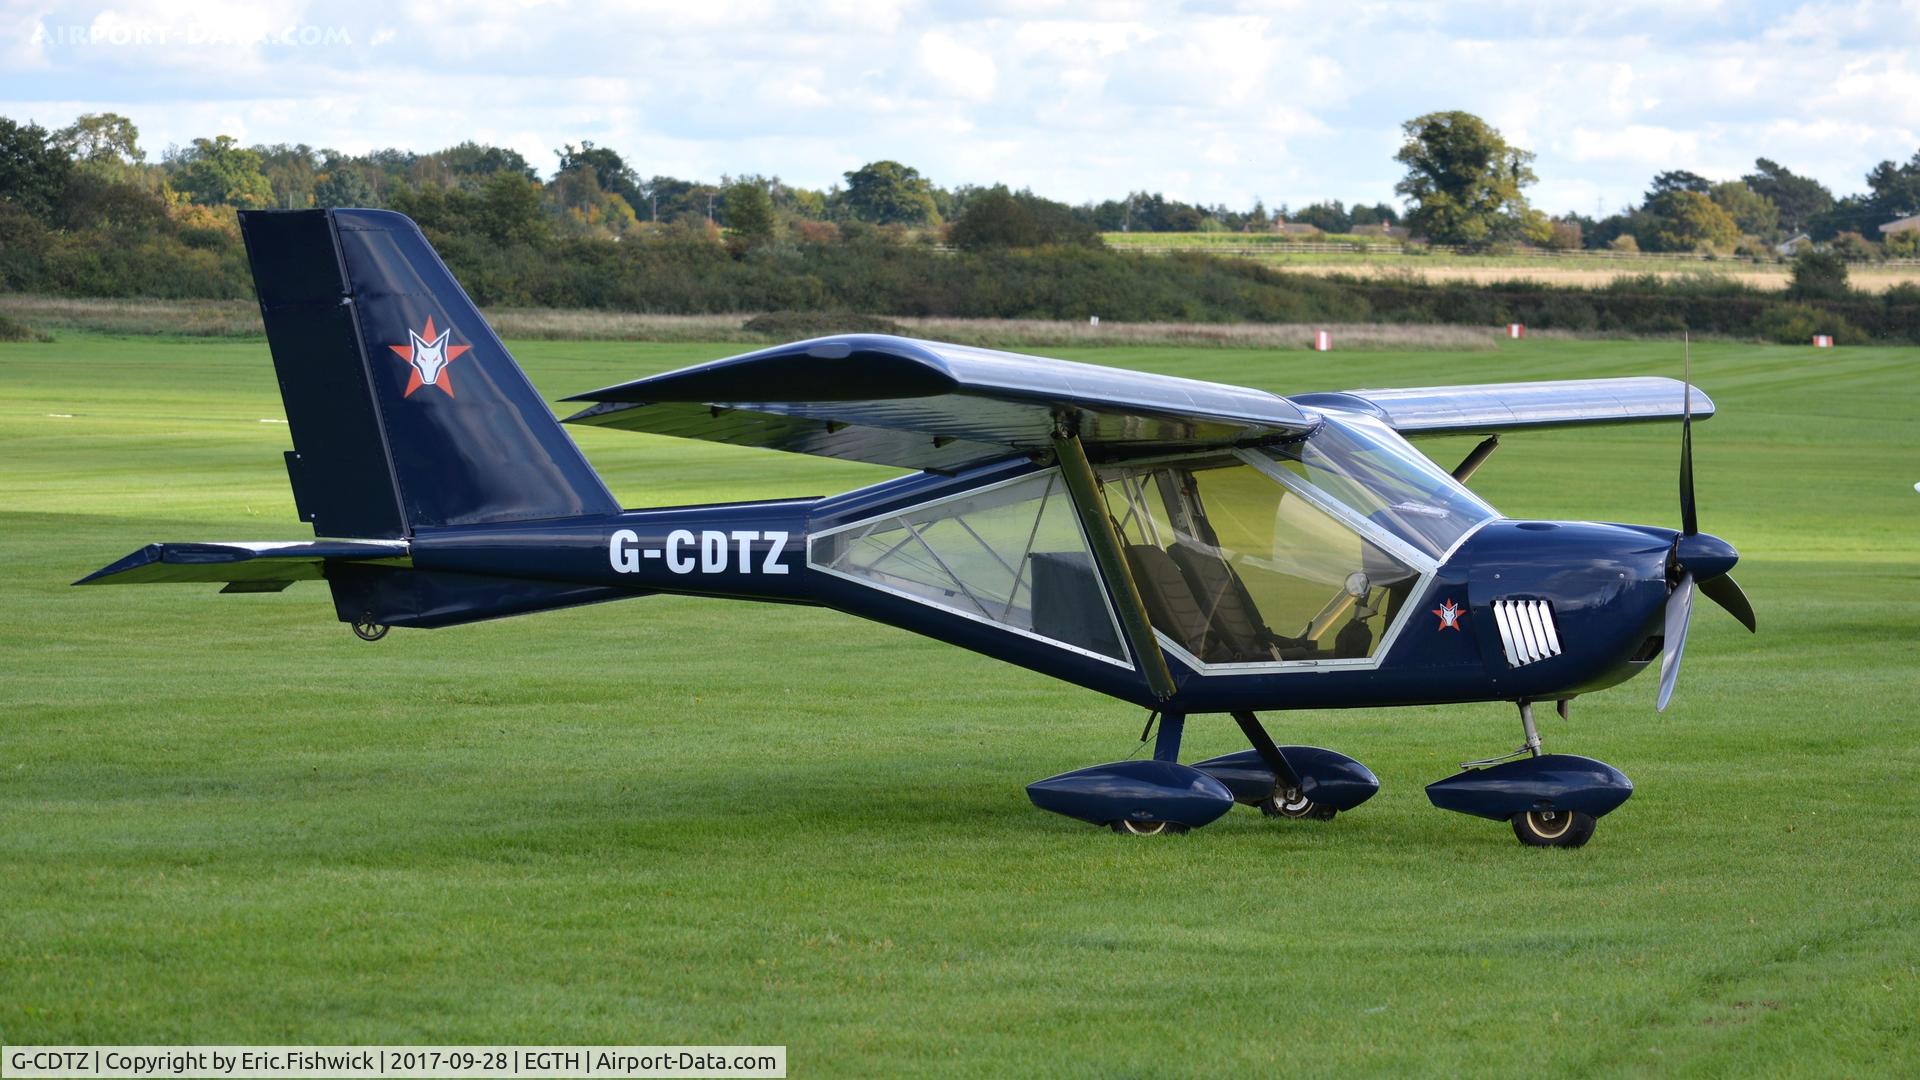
1185,546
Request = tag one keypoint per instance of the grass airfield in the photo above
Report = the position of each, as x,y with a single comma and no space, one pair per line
223,819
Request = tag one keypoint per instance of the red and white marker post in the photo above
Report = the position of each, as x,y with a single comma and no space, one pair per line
1323,341
1823,341
1516,330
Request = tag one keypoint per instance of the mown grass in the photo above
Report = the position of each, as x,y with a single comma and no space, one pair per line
241,319
224,819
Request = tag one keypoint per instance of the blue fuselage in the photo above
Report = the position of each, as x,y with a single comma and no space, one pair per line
1600,588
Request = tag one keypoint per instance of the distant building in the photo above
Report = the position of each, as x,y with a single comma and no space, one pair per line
1905,224
1295,228
1793,244
1396,232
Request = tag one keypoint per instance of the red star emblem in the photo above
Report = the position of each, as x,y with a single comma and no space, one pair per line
1450,614
428,354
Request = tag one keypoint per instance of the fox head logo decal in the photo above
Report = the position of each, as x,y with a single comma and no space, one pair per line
428,354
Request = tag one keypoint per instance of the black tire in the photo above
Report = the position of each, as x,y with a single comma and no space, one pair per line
1127,827
1292,804
1553,828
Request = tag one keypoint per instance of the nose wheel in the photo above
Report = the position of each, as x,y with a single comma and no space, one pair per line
1290,803
1129,827
1553,828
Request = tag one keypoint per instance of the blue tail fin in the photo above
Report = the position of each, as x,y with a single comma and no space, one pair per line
405,409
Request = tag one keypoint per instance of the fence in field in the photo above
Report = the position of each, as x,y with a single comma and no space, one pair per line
1330,247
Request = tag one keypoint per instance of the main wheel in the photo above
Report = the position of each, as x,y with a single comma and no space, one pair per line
1290,803
1148,828
1553,828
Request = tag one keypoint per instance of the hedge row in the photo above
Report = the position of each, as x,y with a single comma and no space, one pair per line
691,272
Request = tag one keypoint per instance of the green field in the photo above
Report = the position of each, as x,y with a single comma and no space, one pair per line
223,819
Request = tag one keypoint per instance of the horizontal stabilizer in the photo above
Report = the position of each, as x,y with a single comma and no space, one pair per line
1487,408
251,564
928,405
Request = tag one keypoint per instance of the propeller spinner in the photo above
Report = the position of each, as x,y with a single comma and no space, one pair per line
1698,560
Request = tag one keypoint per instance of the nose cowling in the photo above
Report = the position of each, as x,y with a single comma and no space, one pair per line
1704,555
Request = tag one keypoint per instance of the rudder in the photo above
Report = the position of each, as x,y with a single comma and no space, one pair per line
405,409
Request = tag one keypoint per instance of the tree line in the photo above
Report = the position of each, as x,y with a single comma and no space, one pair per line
83,212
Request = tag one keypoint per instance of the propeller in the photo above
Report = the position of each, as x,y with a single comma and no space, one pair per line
1697,561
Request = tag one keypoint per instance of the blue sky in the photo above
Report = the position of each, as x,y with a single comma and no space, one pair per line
1211,102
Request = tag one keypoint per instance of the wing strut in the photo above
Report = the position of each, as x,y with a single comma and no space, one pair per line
1472,462
1077,471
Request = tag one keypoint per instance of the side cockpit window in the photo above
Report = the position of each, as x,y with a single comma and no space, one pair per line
1236,567
1012,554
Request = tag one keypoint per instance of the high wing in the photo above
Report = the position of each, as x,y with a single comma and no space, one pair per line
1490,408
927,405
246,566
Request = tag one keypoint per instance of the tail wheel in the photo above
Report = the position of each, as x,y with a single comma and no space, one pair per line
1553,828
368,630
1291,803
1148,828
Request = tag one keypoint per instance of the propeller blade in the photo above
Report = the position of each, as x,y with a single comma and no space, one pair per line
1689,519
1726,592
1679,610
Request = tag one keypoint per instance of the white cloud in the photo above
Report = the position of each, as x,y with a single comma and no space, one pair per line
1221,102
957,67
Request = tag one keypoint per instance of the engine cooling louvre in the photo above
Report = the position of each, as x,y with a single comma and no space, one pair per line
1527,631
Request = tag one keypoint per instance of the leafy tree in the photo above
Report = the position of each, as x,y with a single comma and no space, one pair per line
800,202
889,193
345,185
1567,235
1377,214
1328,217
221,172
1851,213
1465,181
478,161
1678,180
1818,275
1854,247
1180,217
1685,220
669,198
509,210
1110,216
583,203
998,218
33,168
1894,190
609,169
100,139
1753,213
290,172
748,210
1799,199
94,200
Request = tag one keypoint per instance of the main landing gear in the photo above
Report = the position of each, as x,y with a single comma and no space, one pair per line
1158,796
1552,800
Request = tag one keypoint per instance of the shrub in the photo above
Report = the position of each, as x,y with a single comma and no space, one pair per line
816,232
1819,275
12,329
1795,324
1902,294
1625,242
1854,247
